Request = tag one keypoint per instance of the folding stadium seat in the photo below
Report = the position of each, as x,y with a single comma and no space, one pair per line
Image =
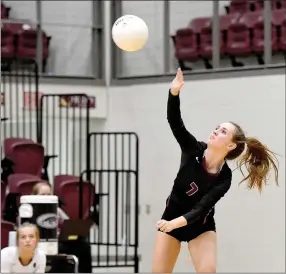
278,17
225,22
205,49
22,183
59,179
282,38
252,18
238,40
27,45
3,195
202,28
240,34
18,185
67,188
206,35
239,6
26,155
7,42
275,4
283,4
4,11
257,26
279,22
186,45
6,227
15,26
257,5
198,24
258,38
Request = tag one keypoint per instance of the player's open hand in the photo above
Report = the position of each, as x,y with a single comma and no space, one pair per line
177,83
165,226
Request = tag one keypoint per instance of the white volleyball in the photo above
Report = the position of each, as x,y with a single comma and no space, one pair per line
130,33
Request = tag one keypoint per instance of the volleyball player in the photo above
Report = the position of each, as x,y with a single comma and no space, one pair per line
25,257
202,180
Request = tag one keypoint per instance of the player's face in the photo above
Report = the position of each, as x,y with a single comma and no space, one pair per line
221,137
45,190
27,238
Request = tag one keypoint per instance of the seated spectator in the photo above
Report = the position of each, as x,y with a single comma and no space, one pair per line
44,188
80,248
26,256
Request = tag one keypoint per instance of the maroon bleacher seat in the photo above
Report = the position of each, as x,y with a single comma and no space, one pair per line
22,183
4,11
67,188
283,4
201,27
3,195
252,18
239,41
258,38
279,21
275,4
59,179
205,48
255,21
206,35
26,155
6,227
239,6
7,42
15,26
186,47
282,38
197,24
27,44
278,17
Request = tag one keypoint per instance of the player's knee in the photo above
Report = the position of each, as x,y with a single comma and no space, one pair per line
206,268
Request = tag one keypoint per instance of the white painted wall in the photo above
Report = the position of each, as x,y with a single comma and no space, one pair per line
251,228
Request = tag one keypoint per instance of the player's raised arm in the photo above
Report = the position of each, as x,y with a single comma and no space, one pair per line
186,140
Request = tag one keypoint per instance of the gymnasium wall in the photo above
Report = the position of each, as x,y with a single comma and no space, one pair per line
69,25
251,227
149,60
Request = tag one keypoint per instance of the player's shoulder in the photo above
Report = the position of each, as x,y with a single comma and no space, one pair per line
226,173
40,253
9,251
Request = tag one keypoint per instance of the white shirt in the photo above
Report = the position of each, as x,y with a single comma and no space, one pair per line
10,261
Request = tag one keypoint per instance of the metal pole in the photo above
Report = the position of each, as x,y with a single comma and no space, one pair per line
216,35
267,33
39,51
166,35
116,54
97,39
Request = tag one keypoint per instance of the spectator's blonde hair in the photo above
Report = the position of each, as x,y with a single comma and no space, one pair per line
37,186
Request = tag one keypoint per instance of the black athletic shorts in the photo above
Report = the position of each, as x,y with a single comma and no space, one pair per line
191,231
